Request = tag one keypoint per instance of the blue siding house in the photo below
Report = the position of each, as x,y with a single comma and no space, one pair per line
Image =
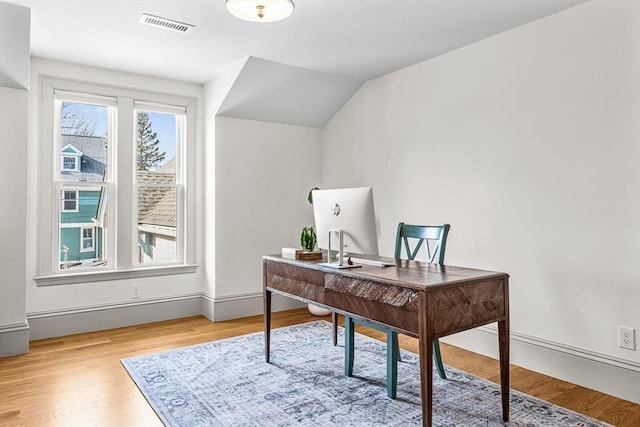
82,159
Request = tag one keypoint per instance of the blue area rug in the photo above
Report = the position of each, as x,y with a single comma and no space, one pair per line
227,383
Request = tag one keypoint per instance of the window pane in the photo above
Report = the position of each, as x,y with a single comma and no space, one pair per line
82,231
157,218
156,174
83,142
156,147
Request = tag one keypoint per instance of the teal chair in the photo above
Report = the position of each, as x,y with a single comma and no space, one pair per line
412,238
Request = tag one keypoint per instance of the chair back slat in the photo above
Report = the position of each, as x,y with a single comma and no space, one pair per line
419,234
412,253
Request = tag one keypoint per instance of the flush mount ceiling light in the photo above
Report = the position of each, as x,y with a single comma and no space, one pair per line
260,10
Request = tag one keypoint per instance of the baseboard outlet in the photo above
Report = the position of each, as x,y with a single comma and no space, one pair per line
95,318
607,374
235,306
14,339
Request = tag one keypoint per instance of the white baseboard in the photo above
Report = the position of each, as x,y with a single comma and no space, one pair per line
615,376
58,323
604,373
14,339
95,318
233,307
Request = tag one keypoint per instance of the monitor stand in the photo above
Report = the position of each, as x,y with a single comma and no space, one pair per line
338,266
339,263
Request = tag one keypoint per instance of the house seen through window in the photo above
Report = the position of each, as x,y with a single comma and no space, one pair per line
83,133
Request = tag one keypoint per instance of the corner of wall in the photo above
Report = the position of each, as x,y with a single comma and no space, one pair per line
14,339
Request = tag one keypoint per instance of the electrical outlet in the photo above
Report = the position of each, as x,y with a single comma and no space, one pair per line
136,291
626,337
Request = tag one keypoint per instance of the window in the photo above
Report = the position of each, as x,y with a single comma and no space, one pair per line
69,163
69,154
87,239
90,133
70,201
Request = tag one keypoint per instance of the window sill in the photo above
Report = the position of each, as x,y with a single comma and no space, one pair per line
100,276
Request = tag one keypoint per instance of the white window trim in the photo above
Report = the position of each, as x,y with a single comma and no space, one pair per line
76,225
125,265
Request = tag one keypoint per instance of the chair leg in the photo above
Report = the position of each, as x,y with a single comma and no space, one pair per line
334,320
392,364
398,349
349,335
438,359
393,355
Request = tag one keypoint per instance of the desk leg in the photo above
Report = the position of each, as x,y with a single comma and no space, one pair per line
426,364
267,324
503,342
334,322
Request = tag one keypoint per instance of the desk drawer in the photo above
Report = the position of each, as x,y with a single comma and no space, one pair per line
302,282
392,305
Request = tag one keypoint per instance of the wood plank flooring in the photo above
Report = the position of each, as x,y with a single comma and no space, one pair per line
78,380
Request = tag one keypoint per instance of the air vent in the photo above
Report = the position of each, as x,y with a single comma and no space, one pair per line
167,24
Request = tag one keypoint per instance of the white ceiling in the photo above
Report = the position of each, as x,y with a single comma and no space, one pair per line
353,39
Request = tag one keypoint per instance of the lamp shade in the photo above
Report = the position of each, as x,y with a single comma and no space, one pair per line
260,10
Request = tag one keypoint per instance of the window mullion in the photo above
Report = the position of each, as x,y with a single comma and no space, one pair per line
125,159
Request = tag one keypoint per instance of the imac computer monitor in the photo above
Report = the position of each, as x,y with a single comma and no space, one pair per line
349,210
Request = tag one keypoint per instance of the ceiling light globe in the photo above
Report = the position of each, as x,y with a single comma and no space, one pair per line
260,10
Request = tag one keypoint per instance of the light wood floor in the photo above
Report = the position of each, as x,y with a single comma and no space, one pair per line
78,380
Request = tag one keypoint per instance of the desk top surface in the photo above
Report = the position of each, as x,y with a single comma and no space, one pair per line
412,274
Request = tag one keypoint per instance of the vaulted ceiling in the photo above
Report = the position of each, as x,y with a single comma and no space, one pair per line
296,71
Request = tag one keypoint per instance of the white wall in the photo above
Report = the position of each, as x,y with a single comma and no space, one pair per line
527,144
263,174
45,303
14,337
214,95
14,110
15,36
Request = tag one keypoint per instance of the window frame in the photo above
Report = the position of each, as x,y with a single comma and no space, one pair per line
121,204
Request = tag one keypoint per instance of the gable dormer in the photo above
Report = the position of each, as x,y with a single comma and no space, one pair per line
70,158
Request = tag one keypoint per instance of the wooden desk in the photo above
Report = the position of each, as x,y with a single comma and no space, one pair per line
423,300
